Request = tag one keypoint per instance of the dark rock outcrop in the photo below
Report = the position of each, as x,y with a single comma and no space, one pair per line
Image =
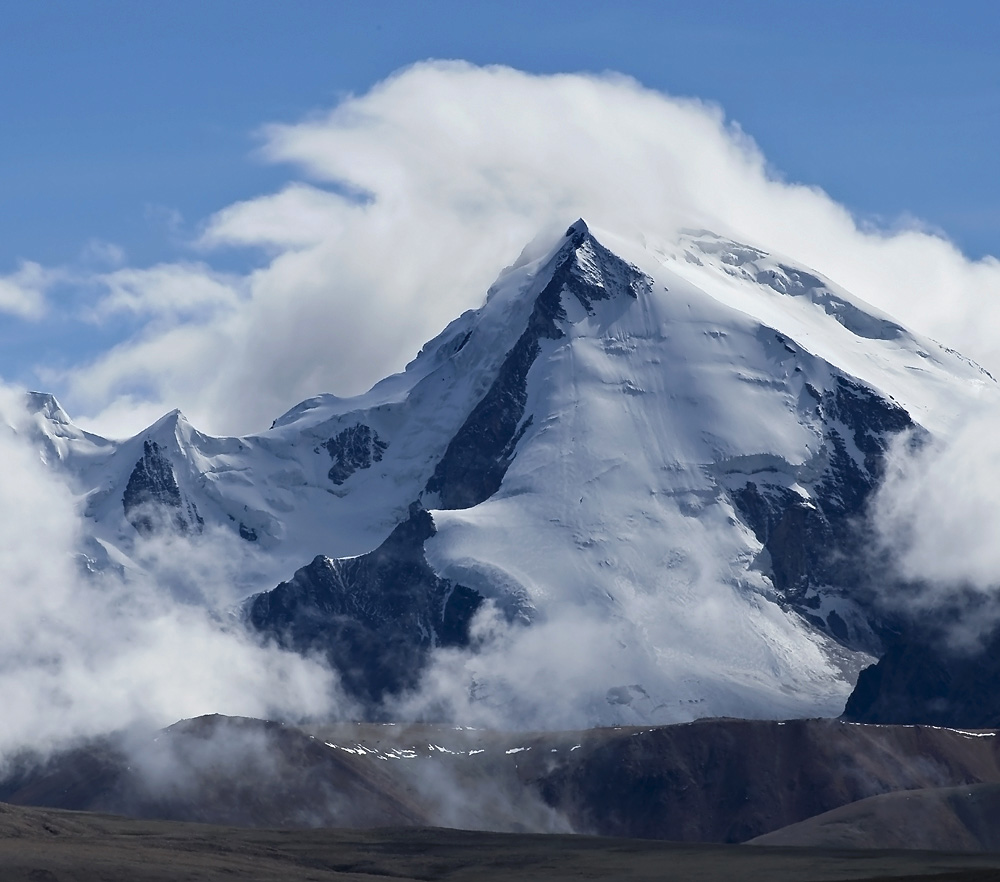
799,283
374,617
922,680
479,455
153,499
822,542
354,448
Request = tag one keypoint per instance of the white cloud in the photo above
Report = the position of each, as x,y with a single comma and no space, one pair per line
22,293
935,516
454,168
298,216
87,653
97,251
171,291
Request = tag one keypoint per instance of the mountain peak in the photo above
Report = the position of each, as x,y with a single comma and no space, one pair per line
47,405
662,449
171,431
169,421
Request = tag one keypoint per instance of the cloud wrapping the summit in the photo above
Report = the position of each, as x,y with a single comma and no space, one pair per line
415,194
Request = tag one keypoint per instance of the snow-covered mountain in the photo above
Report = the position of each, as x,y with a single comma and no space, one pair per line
635,478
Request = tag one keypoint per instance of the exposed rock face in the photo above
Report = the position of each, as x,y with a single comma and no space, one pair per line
921,681
478,456
354,448
480,453
375,616
798,283
822,541
153,499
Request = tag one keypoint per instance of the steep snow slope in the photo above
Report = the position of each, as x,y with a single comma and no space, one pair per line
674,404
658,456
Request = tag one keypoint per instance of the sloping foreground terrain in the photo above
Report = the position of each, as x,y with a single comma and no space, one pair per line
951,817
723,781
57,846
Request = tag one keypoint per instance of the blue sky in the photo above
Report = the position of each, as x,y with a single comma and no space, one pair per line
119,114
127,125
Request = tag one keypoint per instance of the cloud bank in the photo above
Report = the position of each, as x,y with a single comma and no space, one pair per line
935,518
84,650
411,197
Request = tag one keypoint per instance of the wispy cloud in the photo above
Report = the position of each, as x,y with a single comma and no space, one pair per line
297,217
102,253
173,292
935,519
23,292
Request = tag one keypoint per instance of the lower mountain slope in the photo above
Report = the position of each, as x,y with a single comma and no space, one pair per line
938,818
709,781
222,770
